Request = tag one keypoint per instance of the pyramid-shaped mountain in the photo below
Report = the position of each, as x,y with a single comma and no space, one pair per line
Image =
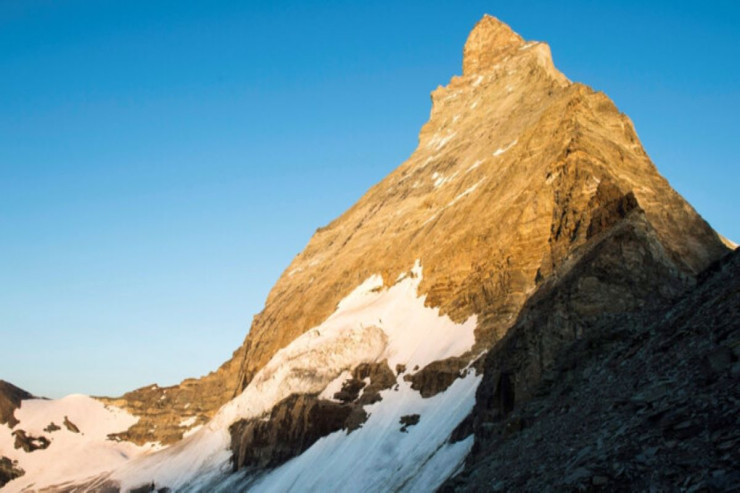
527,218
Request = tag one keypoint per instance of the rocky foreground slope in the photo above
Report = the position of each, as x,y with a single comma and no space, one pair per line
405,343
647,402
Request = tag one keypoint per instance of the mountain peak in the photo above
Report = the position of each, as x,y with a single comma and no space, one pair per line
528,223
488,40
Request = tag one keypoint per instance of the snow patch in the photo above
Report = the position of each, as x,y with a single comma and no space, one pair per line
465,193
502,150
591,185
70,456
474,165
551,177
728,242
192,431
437,141
440,179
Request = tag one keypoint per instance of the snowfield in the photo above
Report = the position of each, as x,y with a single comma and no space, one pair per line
371,324
379,456
70,456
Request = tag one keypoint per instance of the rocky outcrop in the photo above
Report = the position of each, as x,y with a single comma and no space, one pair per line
70,425
28,442
408,420
641,401
437,376
293,425
52,427
164,409
10,400
299,421
9,470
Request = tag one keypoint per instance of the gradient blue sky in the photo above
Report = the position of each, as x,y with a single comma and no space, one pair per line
161,162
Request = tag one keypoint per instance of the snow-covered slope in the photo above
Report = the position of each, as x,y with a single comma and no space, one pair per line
70,455
372,324
381,457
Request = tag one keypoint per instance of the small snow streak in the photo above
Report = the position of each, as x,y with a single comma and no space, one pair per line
466,192
438,142
502,150
461,195
440,179
474,165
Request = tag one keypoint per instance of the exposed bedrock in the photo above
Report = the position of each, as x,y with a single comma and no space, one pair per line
297,422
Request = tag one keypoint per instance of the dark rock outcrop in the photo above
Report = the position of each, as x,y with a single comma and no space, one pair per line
437,376
52,427
29,443
9,470
408,420
10,400
70,425
292,426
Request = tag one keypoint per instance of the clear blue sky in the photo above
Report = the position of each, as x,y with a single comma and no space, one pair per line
161,162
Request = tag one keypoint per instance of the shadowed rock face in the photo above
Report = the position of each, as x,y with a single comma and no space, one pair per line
10,400
8,471
437,376
642,400
519,173
293,425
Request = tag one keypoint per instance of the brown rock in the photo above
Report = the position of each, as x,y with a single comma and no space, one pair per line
52,427
70,425
437,376
29,443
10,400
9,470
292,426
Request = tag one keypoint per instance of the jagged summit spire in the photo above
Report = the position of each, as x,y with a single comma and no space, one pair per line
487,41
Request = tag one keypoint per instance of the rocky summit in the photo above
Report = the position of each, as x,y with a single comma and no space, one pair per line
524,304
